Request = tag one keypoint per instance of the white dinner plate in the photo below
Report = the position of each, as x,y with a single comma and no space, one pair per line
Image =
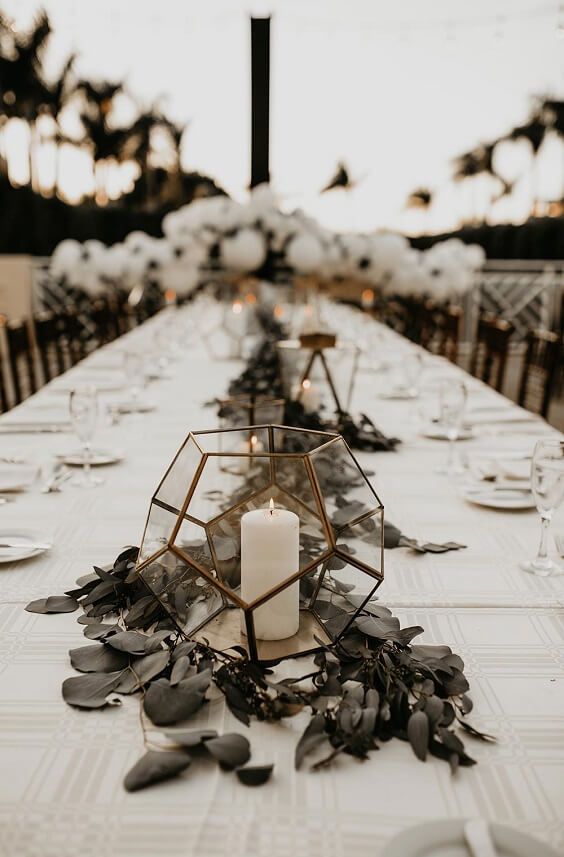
399,394
436,432
133,407
500,499
445,838
16,477
26,540
98,457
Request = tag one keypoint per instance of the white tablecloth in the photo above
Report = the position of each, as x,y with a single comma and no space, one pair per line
61,792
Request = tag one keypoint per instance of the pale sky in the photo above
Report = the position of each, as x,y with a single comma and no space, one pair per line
396,89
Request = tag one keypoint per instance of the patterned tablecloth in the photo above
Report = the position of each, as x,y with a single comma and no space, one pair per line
61,791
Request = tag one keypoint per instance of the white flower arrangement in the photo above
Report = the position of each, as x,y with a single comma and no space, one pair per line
243,238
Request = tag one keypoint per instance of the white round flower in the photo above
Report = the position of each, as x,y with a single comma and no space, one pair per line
304,253
244,251
66,256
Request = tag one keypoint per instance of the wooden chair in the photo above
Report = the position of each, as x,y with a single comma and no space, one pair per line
449,333
20,360
489,355
51,344
4,400
74,334
542,360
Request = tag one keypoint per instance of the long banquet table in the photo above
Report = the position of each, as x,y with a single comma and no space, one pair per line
61,791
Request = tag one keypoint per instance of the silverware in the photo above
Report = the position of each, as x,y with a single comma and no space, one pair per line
478,838
56,480
6,459
34,428
25,545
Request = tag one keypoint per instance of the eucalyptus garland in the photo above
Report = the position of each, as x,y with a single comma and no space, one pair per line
262,377
373,685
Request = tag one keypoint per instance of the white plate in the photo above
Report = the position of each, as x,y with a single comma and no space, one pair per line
27,539
399,395
445,838
501,499
98,457
16,477
438,433
133,407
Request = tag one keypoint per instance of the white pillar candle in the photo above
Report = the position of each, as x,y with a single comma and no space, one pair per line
243,465
309,397
270,549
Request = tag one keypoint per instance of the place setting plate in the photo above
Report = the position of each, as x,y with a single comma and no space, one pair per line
97,457
21,543
499,498
438,432
445,838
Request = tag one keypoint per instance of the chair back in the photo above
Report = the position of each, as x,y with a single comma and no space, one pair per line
50,342
21,363
540,367
489,355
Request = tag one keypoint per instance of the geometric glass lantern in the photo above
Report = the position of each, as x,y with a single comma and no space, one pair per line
273,549
247,410
318,371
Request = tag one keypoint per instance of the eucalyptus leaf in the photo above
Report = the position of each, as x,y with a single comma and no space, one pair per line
90,691
256,775
53,604
230,750
166,705
192,737
313,736
180,669
154,642
96,630
129,641
155,767
142,671
418,734
97,659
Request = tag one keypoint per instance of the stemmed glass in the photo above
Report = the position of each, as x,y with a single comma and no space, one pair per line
547,485
134,366
412,366
83,407
452,405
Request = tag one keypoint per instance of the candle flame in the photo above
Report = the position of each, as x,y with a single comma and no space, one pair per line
250,298
306,384
278,311
170,296
254,440
271,506
367,296
237,307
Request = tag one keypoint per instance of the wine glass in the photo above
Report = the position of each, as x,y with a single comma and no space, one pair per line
412,366
547,485
83,407
134,366
452,404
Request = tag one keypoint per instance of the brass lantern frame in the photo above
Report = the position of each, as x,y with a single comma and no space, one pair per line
204,567
317,343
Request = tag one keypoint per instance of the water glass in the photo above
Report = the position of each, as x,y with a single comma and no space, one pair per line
134,366
547,485
83,408
452,405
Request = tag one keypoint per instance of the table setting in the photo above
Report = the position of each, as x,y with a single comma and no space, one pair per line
399,694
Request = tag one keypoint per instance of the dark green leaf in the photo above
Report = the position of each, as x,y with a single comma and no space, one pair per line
142,671
97,659
231,750
256,775
192,737
155,767
418,734
313,735
90,691
128,641
53,604
166,705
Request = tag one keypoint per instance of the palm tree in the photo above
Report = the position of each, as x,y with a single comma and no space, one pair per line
105,143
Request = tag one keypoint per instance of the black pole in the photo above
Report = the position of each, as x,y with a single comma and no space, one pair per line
260,100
